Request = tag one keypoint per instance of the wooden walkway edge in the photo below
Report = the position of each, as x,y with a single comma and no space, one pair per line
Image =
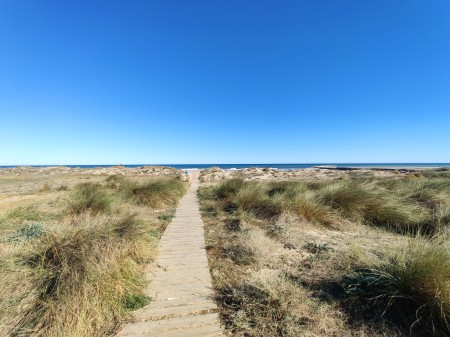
180,284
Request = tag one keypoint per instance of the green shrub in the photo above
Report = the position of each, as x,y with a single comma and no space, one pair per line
28,232
318,247
134,302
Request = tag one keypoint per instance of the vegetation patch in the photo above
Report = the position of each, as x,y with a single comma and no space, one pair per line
410,289
89,197
85,272
74,265
407,205
28,232
152,193
358,256
134,302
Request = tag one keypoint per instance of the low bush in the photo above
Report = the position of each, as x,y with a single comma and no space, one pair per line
45,188
28,232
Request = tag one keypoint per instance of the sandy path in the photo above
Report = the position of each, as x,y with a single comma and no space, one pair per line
180,287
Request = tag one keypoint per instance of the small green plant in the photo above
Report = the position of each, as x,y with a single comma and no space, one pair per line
134,302
239,254
28,232
318,247
277,229
165,217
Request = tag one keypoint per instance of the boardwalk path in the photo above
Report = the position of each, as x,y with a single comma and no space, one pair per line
180,285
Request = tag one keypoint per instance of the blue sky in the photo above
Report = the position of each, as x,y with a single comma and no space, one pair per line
109,82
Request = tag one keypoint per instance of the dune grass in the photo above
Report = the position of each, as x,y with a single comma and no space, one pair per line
89,197
403,205
16,218
410,288
272,280
83,274
152,193
20,214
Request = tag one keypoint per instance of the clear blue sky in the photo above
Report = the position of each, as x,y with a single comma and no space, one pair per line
108,82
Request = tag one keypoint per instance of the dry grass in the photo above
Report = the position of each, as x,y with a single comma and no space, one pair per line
410,287
82,275
408,205
152,193
338,258
74,266
89,197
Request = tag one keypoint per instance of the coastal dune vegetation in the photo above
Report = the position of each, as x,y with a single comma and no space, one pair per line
348,256
72,260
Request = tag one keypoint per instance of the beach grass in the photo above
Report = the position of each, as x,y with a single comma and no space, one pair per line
401,205
151,193
77,269
410,288
89,197
353,256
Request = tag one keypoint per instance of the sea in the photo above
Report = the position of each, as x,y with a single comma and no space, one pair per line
274,165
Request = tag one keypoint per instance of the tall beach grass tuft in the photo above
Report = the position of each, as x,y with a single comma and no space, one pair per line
88,197
153,193
411,289
84,277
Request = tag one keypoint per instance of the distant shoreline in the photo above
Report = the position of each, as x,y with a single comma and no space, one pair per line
338,166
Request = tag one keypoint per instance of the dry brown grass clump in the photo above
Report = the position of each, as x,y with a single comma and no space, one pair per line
153,193
81,279
274,306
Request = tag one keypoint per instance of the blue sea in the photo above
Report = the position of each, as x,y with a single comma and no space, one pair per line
275,166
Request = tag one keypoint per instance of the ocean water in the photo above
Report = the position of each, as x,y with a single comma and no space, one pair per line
276,166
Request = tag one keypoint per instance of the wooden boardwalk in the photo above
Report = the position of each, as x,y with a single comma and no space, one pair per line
181,291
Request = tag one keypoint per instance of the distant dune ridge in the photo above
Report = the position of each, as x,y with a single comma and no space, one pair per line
111,170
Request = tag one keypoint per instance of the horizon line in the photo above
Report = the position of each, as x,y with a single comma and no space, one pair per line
267,163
